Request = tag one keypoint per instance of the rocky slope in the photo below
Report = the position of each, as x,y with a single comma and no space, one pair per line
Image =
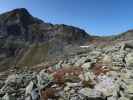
128,35
27,41
102,70
96,74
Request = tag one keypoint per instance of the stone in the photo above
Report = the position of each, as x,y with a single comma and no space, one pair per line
28,98
71,78
80,61
86,66
35,94
6,97
11,79
113,74
67,88
70,85
95,53
106,85
90,93
107,60
129,89
126,74
88,76
129,60
126,45
44,79
1,84
119,59
29,89
65,65
74,98
123,98
112,98
81,76
115,68
18,79
25,78
73,60
59,65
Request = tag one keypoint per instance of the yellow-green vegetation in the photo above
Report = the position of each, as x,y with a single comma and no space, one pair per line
6,62
36,54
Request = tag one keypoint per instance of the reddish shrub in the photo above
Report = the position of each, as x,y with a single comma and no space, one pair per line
60,74
48,93
98,69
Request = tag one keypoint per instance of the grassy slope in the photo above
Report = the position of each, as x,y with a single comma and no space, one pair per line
36,54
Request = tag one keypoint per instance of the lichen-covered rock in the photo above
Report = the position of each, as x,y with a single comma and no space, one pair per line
86,66
129,60
90,93
123,98
29,89
35,94
107,60
1,84
44,79
106,85
129,89
80,61
11,79
6,97
88,76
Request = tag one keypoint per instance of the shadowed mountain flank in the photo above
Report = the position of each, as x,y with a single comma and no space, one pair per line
26,40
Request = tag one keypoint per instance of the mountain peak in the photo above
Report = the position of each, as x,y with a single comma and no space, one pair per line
17,16
16,12
20,11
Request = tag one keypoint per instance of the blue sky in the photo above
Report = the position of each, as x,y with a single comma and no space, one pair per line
98,17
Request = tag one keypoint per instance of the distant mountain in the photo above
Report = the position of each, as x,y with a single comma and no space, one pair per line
128,35
26,40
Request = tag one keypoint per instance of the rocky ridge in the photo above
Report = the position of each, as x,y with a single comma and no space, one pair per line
95,74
